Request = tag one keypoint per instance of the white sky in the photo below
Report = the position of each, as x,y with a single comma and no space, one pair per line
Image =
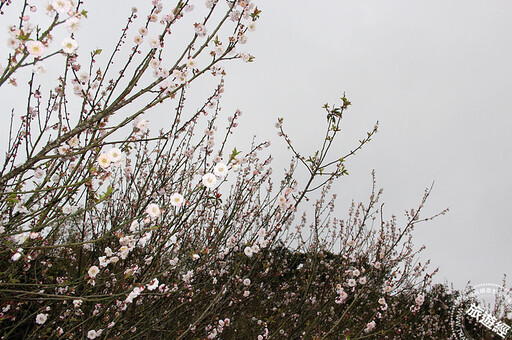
437,75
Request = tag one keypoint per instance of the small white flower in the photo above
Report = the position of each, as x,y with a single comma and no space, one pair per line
264,243
48,9
115,155
248,251
95,84
247,282
209,180
103,261
155,63
35,48
15,257
281,200
92,334
93,271
154,42
176,200
61,6
77,89
133,294
343,295
153,210
191,62
138,39
63,149
255,248
133,228
83,77
104,160
126,240
180,76
13,43
220,170
69,45
242,39
142,124
73,24
231,242
246,57
188,276
369,327
213,334
153,284
77,303
41,318
73,142
39,67
219,49
351,282
419,299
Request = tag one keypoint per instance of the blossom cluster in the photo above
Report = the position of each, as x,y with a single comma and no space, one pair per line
24,40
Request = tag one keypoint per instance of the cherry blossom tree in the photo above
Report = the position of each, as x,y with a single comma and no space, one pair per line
112,230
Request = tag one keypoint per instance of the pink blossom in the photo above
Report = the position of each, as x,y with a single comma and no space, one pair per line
35,48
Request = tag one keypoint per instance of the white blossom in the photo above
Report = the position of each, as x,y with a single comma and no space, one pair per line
41,318
153,210
69,45
209,180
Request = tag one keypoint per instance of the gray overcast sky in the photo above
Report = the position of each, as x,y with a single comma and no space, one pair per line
437,75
